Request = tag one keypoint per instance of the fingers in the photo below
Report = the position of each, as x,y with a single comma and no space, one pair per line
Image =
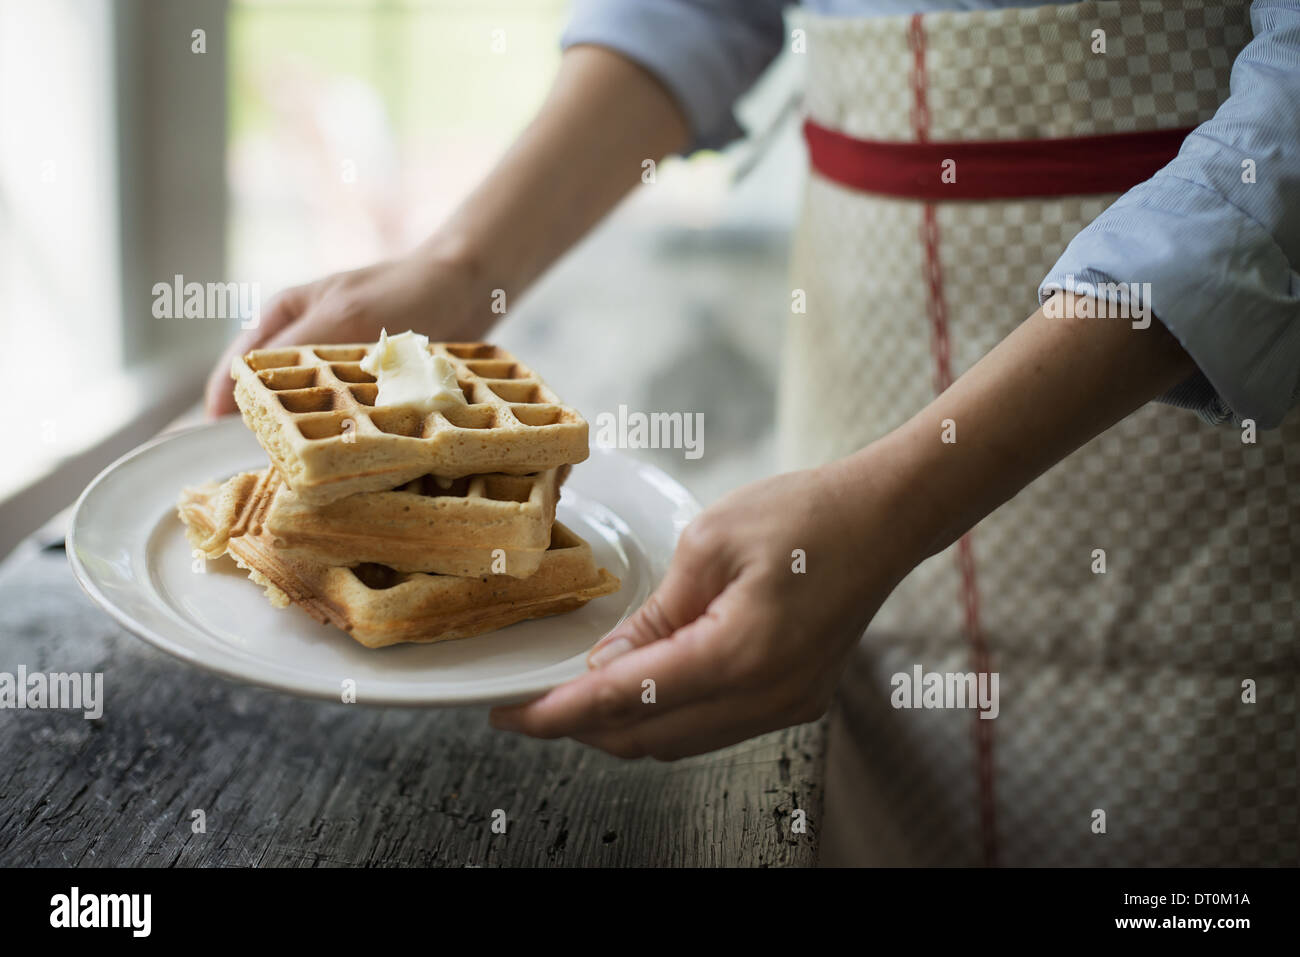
694,578
286,308
697,728
318,324
613,696
696,662
744,708
744,700
676,601
219,394
677,639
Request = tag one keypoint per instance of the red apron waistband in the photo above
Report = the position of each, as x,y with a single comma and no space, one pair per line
992,169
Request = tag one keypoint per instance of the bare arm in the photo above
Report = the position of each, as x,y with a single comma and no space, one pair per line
1042,392
581,154
738,645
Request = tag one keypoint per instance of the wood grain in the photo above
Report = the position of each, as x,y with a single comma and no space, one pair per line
285,782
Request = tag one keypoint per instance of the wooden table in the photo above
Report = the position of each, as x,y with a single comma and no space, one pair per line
288,782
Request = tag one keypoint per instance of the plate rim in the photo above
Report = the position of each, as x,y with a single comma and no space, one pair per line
185,653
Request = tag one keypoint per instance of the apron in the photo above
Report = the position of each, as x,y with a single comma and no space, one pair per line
1121,692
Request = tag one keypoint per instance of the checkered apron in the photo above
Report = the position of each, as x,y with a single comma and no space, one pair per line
1120,692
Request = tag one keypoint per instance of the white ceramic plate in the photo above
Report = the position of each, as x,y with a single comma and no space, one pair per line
129,551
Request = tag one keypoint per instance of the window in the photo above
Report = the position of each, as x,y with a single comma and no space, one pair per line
58,224
111,159
269,142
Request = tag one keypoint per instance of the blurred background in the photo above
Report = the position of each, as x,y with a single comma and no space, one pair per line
273,141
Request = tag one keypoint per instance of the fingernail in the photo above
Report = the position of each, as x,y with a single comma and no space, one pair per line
607,653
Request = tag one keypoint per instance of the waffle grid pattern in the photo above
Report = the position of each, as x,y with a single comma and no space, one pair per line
313,409
330,387
471,526
374,603
379,606
373,577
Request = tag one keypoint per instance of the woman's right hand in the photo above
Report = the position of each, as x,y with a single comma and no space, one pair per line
582,153
434,295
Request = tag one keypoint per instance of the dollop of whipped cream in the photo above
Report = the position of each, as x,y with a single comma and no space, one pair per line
409,375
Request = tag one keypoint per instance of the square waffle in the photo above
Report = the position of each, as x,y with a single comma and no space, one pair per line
472,526
313,410
378,605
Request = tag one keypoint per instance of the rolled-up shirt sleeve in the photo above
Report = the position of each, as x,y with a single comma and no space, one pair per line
705,52
1216,233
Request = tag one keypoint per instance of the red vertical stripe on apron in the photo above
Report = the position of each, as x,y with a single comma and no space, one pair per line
940,347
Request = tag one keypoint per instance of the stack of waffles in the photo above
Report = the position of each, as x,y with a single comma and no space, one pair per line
393,524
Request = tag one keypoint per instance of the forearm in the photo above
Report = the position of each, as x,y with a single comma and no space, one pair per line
1044,391
582,153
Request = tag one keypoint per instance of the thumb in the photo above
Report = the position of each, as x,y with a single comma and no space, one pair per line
288,306
681,597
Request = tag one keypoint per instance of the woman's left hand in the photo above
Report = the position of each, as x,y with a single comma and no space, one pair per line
766,594
738,641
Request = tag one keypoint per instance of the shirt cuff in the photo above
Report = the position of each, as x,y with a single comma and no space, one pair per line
706,58
1214,277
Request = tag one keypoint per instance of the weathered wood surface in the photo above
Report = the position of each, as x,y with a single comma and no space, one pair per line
296,783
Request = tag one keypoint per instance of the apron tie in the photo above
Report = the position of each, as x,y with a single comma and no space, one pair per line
990,169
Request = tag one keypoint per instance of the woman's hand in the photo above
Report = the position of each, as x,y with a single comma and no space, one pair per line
434,295
766,594
737,642
604,117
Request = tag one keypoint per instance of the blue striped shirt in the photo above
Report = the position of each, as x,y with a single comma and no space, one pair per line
1221,253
